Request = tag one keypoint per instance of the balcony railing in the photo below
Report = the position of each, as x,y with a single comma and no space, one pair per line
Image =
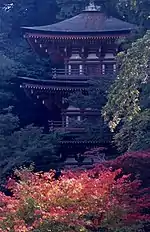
73,74
55,124
81,74
60,126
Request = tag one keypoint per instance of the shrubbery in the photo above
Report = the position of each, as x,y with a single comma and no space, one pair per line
135,163
78,201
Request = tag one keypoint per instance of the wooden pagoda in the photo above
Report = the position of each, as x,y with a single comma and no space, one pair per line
79,48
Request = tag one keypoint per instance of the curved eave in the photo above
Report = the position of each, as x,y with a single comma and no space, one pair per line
48,82
56,85
29,33
90,142
61,37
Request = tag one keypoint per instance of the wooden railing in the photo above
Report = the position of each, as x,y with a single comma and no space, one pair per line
81,74
59,126
62,73
55,124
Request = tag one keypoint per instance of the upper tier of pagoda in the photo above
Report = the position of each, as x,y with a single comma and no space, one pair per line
90,22
84,45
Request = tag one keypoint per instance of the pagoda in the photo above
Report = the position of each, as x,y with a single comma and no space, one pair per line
81,48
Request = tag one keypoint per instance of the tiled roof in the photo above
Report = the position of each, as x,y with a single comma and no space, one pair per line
86,22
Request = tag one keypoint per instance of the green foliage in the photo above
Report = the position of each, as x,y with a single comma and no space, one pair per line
124,98
96,96
7,71
135,11
134,135
69,8
30,64
95,128
24,146
29,12
57,227
25,13
128,99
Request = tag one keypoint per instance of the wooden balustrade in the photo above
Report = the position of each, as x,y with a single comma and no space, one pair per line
81,74
69,72
59,126
55,124
73,74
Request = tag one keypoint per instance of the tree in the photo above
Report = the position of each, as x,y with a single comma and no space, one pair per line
135,163
96,95
25,146
95,98
69,8
19,145
127,109
78,201
14,15
135,11
134,135
7,71
28,13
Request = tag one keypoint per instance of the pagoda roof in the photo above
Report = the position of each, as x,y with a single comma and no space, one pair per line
91,20
57,85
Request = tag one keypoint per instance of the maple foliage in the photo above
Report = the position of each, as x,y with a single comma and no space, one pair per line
77,201
135,163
